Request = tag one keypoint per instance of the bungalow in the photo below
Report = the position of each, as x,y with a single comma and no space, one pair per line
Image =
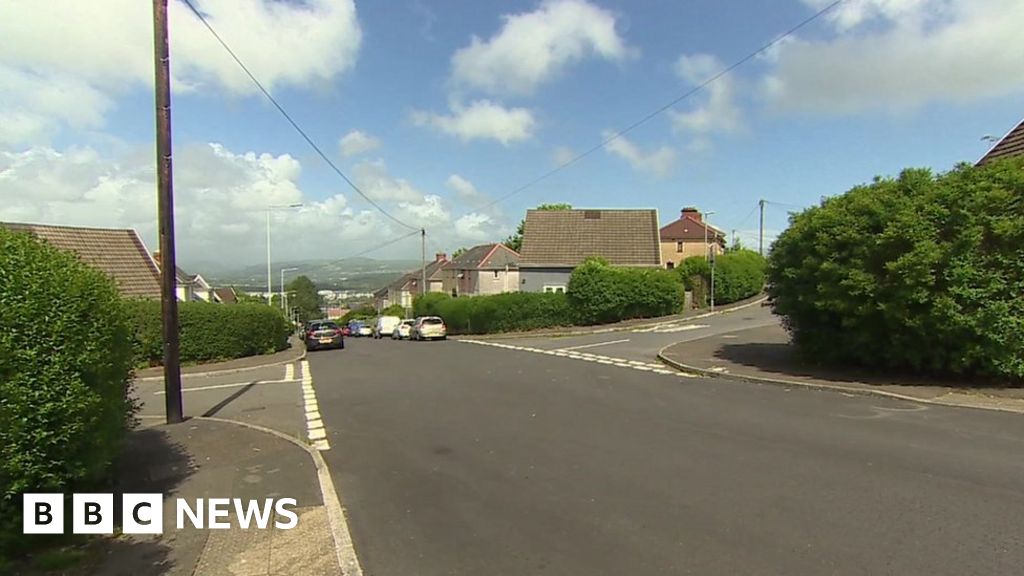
556,241
117,252
483,269
689,236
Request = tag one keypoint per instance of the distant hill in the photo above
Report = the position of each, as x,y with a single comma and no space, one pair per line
360,274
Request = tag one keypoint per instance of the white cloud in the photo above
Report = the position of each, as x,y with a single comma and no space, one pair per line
656,162
718,112
464,189
63,61
562,155
482,119
533,47
913,53
373,178
476,227
357,142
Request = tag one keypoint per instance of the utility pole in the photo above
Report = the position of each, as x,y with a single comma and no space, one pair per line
270,287
165,215
711,256
760,236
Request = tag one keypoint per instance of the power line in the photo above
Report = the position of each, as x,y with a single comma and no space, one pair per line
664,108
291,121
384,245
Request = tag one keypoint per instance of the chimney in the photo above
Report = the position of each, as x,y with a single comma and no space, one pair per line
440,257
692,213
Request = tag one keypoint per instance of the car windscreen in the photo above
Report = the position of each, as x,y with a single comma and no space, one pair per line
433,321
326,326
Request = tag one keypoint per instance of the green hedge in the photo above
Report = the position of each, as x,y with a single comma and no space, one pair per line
739,274
65,365
498,313
921,272
599,293
209,332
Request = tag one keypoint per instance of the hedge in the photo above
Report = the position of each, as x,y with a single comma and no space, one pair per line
209,332
922,272
65,366
509,312
599,293
739,274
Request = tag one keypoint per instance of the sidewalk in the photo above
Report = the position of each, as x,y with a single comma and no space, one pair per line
621,326
295,351
203,459
765,355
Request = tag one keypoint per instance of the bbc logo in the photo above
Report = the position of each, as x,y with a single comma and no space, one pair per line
93,514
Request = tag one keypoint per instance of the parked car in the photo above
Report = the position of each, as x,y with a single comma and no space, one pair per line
324,334
385,326
359,328
346,331
403,330
429,328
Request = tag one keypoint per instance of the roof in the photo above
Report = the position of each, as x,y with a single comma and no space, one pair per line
1010,145
117,252
486,257
689,228
225,295
433,269
565,238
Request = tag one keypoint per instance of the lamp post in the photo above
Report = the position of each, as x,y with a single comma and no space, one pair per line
283,295
270,285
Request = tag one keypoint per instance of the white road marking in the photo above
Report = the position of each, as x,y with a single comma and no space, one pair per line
653,368
222,386
314,424
669,328
289,371
594,345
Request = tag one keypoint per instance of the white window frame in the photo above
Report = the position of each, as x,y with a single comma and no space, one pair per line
554,288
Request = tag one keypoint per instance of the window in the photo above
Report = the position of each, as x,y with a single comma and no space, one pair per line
679,246
495,274
670,265
554,289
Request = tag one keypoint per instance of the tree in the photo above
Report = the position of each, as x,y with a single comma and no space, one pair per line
459,252
303,296
515,241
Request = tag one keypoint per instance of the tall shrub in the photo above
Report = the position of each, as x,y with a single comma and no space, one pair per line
65,364
921,272
599,293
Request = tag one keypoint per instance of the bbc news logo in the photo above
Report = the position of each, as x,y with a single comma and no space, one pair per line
144,513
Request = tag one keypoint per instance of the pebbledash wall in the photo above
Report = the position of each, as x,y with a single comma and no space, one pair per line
535,279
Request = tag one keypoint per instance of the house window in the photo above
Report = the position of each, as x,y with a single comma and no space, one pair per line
554,289
670,265
495,274
679,246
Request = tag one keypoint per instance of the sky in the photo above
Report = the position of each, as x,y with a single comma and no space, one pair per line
457,117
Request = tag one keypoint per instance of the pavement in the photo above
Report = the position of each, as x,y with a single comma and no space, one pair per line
295,351
202,459
498,457
764,354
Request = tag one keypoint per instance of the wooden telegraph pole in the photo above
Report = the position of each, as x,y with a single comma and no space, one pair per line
165,203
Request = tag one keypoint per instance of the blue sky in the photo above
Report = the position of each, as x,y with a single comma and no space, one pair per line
435,109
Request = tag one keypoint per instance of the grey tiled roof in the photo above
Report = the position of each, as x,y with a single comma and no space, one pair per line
486,257
119,253
565,238
1011,145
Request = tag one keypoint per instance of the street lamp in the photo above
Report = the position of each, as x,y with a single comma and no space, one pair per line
284,306
270,285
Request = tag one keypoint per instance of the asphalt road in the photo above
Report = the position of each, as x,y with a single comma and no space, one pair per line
462,458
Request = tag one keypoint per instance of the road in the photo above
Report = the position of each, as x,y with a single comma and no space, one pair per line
465,458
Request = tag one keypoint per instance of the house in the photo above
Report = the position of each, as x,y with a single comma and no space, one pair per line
1012,144
117,252
556,241
403,290
689,236
188,287
483,269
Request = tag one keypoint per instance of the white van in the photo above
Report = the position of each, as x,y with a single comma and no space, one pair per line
385,326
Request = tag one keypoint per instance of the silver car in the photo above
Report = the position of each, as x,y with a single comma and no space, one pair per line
404,330
429,328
